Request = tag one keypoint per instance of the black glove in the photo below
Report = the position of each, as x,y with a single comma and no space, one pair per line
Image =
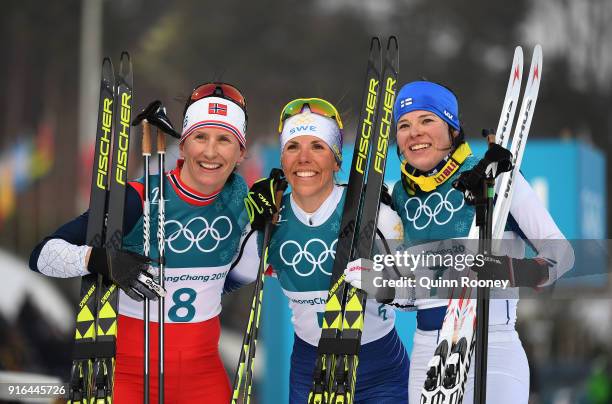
385,196
128,270
520,272
261,201
470,181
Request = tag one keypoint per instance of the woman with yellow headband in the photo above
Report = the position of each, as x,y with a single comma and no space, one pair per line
302,251
431,141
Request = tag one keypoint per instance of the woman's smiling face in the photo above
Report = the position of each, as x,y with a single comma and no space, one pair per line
423,138
309,165
210,156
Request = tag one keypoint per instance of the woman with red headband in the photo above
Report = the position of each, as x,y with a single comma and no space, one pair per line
205,219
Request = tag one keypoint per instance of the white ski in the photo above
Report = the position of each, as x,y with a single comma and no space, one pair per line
448,369
521,132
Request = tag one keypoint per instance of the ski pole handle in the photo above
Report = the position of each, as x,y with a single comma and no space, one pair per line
489,135
146,138
278,198
146,154
161,141
281,185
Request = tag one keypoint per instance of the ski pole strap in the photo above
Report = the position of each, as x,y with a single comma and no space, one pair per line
338,346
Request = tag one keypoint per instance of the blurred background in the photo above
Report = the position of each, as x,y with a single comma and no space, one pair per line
275,51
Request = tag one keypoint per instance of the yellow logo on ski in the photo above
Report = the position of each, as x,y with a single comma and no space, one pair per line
334,324
357,324
88,334
85,315
354,304
333,304
112,330
107,311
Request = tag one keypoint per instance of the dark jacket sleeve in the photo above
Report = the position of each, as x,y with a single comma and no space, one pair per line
75,231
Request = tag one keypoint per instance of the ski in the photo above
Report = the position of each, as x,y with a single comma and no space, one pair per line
500,215
448,369
93,370
329,345
353,308
104,365
519,139
504,126
458,325
85,331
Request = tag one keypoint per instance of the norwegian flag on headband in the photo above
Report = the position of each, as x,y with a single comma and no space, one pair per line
215,108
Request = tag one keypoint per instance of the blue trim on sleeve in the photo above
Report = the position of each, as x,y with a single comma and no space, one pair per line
512,225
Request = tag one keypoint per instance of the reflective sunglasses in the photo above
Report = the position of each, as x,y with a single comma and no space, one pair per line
217,89
316,105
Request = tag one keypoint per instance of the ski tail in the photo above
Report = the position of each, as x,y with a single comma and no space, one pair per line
506,118
508,111
85,330
121,143
353,310
346,238
511,99
519,138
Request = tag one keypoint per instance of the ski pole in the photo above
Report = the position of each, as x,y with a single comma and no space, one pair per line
146,227
280,189
154,114
161,240
484,221
146,233
249,342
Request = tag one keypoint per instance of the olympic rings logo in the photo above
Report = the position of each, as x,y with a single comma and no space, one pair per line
441,213
184,237
315,252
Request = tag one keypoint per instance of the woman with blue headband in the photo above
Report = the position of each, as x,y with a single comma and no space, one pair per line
431,142
302,250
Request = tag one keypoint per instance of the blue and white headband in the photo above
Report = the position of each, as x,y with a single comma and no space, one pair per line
308,123
427,96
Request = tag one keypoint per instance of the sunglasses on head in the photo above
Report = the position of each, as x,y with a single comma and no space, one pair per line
316,105
217,89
